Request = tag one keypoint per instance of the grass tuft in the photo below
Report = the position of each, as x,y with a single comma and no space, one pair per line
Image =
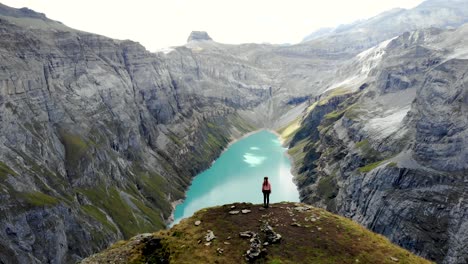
370,167
39,199
368,151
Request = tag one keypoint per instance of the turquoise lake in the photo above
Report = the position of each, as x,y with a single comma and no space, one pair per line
237,176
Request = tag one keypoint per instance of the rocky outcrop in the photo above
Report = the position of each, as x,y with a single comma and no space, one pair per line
198,36
21,12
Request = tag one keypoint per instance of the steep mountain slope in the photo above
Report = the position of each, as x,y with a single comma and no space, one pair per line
390,152
293,233
367,33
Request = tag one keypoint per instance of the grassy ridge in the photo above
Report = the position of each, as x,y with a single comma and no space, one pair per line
309,235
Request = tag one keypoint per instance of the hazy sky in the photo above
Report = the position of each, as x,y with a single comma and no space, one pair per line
157,24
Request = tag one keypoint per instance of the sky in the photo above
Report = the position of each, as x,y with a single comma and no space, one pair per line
158,24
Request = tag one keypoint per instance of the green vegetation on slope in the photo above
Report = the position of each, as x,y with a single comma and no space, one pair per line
327,187
370,167
154,188
334,93
298,154
75,148
371,155
376,164
130,221
38,199
368,152
309,235
5,171
287,132
239,123
212,139
95,213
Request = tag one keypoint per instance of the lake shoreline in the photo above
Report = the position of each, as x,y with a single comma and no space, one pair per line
170,220
263,138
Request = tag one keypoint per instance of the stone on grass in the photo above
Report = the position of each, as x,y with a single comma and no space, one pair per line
197,223
271,236
209,236
234,212
247,234
301,208
220,251
246,211
255,251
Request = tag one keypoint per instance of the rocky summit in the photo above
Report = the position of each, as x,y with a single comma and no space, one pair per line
100,137
283,233
198,36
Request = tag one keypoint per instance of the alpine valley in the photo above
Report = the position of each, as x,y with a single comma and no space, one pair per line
100,137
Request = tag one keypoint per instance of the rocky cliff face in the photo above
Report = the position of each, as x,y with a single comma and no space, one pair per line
392,155
369,32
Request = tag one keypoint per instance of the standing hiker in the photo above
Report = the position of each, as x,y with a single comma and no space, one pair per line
266,190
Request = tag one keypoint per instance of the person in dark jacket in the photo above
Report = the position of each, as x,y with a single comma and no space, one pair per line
266,190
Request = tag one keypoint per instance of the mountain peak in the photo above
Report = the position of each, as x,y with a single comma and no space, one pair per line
21,12
198,36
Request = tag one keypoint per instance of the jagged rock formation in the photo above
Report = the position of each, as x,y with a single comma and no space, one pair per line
320,237
390,152
198,35
100,136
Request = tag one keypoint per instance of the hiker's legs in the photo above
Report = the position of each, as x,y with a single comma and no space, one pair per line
267,199
265,195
